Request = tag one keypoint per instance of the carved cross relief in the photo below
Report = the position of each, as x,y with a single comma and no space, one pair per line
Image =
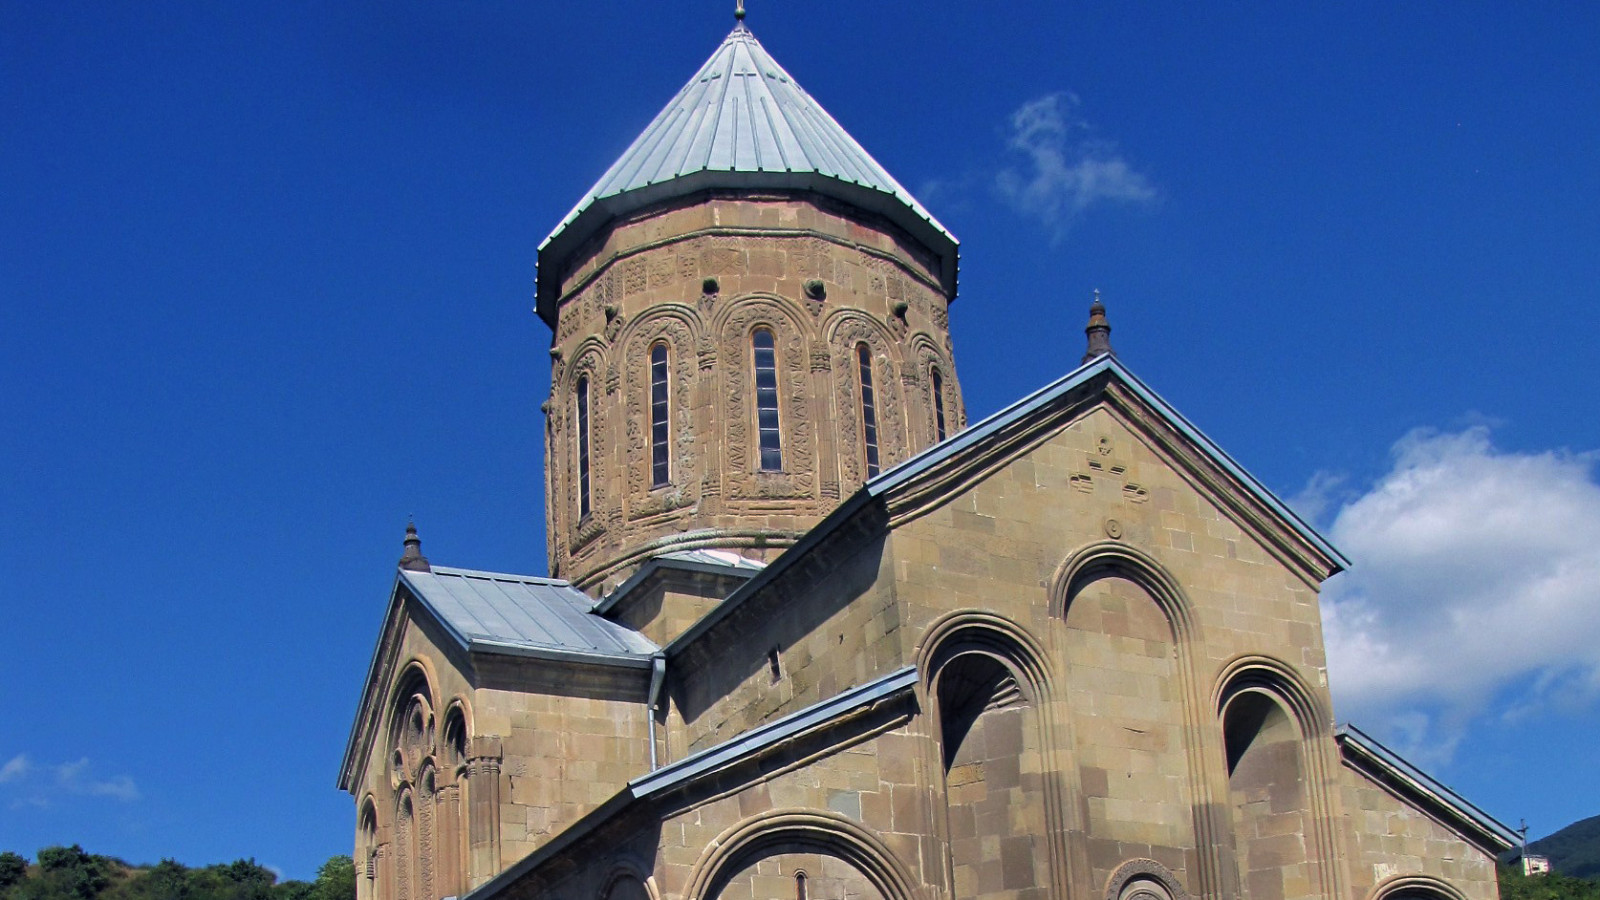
1105,466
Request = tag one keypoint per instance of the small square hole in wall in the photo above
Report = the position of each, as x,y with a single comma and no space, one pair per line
773,667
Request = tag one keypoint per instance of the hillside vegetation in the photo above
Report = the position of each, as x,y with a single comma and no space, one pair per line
1554,886
1574,850
68,873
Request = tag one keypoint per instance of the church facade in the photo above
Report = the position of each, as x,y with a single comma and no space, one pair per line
809,634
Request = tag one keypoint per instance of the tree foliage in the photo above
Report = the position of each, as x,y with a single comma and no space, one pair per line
1553,886
69,873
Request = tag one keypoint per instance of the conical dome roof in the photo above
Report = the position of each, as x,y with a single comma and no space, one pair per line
740,122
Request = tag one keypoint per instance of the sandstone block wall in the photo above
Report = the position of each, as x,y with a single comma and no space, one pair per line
700,277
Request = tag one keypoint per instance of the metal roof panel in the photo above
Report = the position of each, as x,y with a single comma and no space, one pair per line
522,614
740,114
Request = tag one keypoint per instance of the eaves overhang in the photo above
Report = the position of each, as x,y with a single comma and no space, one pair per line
973,438
741,123
1364,753
489,614
596,213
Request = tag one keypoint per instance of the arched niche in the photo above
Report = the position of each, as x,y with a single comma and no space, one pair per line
1272,726
846,332
677,329
626,884
1415,887
369,882
1125,694
737,324
985,689
760,859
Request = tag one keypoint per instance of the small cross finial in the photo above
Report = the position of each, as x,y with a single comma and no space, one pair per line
738,10
1098,331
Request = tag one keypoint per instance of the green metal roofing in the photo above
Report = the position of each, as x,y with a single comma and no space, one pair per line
740,122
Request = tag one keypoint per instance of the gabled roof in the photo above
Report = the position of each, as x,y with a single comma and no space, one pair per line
489,612
724,563
978,440
1361,751
984,431
740,122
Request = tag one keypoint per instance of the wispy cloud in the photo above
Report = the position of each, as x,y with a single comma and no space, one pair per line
1475,582
28,783
1065,167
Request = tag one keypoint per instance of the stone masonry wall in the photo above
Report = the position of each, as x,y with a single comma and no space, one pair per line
699,278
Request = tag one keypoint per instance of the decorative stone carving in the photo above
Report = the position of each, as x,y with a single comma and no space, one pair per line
682,362
848,331
744,481
1144,879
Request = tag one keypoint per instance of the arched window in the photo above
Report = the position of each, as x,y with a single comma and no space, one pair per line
660,452
766,360
367,860
869,410
938,403
583,446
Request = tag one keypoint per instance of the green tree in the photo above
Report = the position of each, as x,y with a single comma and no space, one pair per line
294,890
68,873
336,879
167,880
1553,886
13,868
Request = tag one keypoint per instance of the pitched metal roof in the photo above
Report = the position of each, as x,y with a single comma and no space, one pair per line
740,122
712,562
982,431
1364,751
524,616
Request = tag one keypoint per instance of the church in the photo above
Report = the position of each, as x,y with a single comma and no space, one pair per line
809,634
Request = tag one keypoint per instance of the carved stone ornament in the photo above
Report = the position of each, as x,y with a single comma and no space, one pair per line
1144,879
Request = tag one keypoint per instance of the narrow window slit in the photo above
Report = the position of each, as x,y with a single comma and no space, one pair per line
660,424
869,410
766,360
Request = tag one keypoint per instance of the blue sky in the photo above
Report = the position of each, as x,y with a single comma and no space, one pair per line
266,273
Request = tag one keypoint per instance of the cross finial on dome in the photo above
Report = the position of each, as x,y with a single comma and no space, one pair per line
738,10
1098,330
412,559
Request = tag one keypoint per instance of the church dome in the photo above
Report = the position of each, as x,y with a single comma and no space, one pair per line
742,123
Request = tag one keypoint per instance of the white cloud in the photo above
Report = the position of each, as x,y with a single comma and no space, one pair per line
1066,169
1476,581
33,784
15,768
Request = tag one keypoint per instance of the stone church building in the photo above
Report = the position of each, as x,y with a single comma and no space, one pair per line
811,635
